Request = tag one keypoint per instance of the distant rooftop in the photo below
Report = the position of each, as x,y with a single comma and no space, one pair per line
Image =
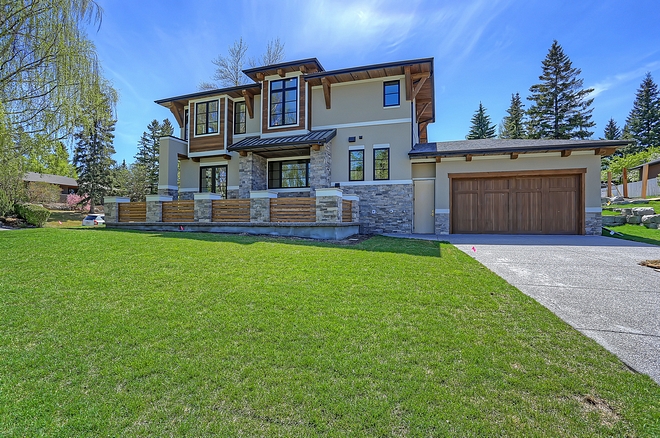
50,179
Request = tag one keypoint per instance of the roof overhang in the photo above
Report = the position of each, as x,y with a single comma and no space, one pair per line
309,65
289,143
470,148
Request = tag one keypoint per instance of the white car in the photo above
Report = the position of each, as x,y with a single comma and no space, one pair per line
94,219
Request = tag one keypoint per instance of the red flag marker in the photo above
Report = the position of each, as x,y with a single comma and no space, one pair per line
60,222
474,249
181,227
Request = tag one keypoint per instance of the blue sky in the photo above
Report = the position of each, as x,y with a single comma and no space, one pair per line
484,50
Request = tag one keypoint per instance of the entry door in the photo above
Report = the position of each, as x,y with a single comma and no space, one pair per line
424,206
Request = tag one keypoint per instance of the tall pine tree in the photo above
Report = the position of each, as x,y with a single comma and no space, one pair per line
513,125
481,127
148,150
612,131
643,122
561,108
93,152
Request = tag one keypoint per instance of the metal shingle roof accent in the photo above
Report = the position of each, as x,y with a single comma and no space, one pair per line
502,146
314,137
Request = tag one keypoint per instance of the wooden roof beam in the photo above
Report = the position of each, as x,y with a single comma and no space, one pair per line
249,102
409,81
177,110
514,155
280,71
566,153
421,75
303,69
438,159
419,113
468,157
326,92
418,87
604,151
260,76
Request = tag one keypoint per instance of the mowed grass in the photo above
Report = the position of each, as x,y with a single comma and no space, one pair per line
114,333
638,233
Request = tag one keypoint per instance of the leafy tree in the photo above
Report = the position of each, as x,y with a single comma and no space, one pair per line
612,131
130,181
94,149
229,68
148,150
481,127
618,163
513,124
643,122
53,158
561,108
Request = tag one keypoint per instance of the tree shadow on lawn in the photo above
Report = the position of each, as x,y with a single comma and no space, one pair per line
370,243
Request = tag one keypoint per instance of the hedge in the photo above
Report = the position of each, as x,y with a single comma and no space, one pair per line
33,214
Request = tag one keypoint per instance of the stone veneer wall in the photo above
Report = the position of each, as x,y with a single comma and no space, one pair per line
169,192
442,223
593,224
186,196
253,174
302,194
320,163
232,193
393,205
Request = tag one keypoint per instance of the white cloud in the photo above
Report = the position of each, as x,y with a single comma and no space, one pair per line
613,81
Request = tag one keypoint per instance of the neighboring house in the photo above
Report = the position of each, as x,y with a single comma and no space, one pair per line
298,128
66,184
654,168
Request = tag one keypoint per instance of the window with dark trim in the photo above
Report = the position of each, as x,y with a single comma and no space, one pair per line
206,118
391,93
186,123
288,174
284,102
239,118
213,179
381,163
356,165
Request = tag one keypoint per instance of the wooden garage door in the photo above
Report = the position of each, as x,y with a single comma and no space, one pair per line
517,204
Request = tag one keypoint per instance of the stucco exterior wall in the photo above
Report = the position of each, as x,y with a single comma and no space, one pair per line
359,101
502,163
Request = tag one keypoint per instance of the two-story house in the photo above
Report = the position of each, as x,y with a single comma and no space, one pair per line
298,128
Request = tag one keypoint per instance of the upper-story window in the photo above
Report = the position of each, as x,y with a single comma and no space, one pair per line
284,102
239,118
356,165
391,93
206,118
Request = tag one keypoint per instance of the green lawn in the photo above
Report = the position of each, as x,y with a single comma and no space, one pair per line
638,233
114,333
609,209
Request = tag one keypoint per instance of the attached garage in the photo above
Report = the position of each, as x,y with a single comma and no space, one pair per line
517,204
494,186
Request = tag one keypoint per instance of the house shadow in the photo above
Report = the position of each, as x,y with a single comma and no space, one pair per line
369,243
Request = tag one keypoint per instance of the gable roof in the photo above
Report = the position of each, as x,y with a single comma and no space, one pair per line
494,146
50,179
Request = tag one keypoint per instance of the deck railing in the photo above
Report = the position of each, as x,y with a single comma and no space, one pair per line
231,210
178,211
293,210
133,212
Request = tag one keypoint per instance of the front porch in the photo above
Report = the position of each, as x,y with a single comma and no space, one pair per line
328,215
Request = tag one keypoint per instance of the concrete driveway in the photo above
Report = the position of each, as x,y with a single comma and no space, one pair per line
593,283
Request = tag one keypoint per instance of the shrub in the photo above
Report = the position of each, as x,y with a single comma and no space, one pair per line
42,192
6,206
75,202
33,214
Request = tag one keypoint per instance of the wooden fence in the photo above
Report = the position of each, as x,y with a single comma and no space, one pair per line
231,210
179,211
293,210
346,211
133,212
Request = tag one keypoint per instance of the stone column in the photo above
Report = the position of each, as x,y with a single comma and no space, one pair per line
328,205
260,205
442,221
593,222
204,206
355,205
111,208
320,165
155,207
253,173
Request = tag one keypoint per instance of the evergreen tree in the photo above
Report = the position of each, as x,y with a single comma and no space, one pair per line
612,131
561,108
94,149
481,127
148,150
512,125
643,122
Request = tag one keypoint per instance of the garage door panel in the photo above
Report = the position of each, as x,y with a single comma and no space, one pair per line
464,207
521,205
528,220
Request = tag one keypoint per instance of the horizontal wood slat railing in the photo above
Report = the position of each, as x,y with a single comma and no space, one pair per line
179,211
293,210
133,212
231,210
346,211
